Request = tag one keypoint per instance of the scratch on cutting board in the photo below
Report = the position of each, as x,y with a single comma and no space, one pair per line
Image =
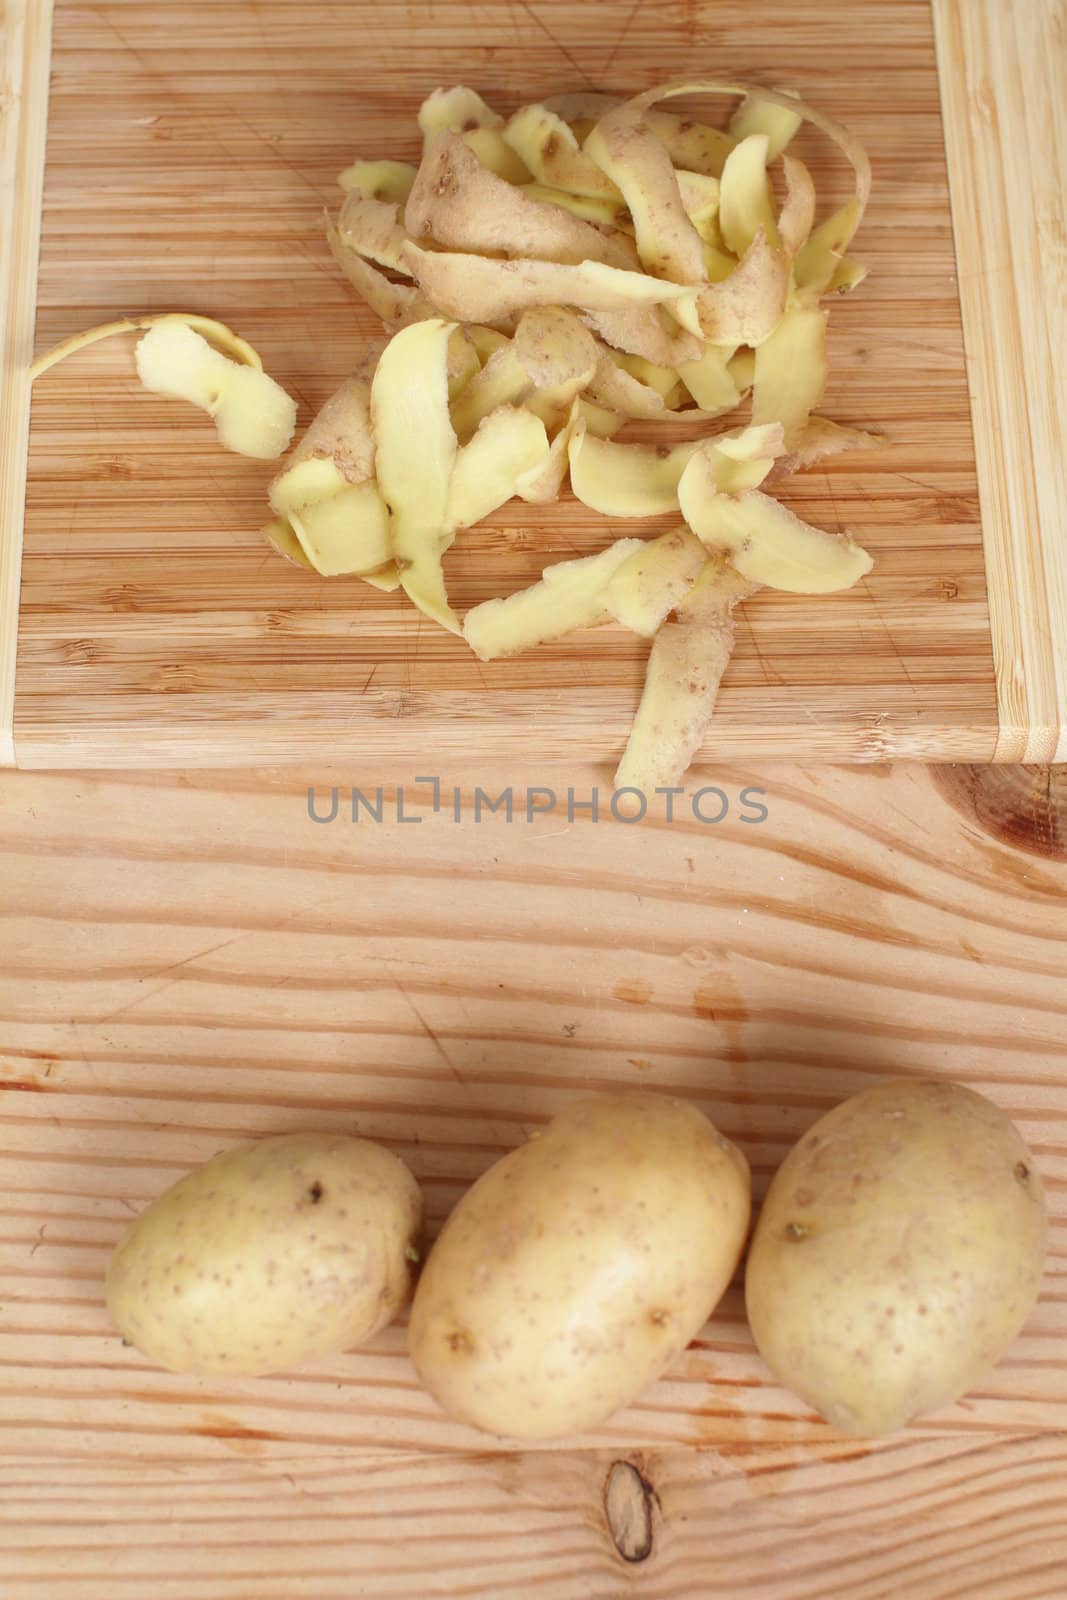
624,30
560,46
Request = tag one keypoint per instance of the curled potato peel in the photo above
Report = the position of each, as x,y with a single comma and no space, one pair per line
686,663
460,204
390,181
641,169
626,480
397,304
372,229
768,544
548,147
473,288
409,404
790,370
570,595
216,334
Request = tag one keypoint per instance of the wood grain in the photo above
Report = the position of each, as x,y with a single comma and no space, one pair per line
189,164
931,1519
189,961
1002,69
25,30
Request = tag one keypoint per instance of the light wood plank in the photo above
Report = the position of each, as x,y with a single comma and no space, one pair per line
190,164
25,46
1002,71
932,1520
192,961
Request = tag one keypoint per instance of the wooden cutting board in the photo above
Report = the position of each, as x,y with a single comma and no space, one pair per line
191,150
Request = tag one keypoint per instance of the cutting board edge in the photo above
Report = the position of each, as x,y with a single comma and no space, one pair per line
203,746
26,64
993,134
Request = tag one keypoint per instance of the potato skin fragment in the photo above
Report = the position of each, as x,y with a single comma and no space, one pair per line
656,579
746,307
627,480
769,545
685,667
626,149
342,431
548,147
409,409
790,372
397,304
372,228
472,288
253,415
458,203
571,594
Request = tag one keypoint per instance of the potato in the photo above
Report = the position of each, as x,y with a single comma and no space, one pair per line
579,1266
270,1255
898,1253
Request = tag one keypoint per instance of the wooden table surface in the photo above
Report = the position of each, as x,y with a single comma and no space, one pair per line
191,960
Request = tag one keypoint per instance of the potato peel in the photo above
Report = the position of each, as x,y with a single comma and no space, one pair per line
508,445
390,181
768,544
458,203
409,406
633,158
685,668
654,580
627,480
372,229
547,146
613,260
397,304
643,331
570,595
790,370
472,288
746,204
217,334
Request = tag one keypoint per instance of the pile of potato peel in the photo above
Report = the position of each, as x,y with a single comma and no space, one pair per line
545,280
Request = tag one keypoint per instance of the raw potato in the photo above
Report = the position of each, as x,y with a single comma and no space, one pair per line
270,1255
899,1252
580,1266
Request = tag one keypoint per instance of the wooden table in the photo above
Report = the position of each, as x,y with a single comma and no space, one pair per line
188,959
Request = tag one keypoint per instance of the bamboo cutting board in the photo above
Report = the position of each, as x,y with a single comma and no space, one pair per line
191,150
